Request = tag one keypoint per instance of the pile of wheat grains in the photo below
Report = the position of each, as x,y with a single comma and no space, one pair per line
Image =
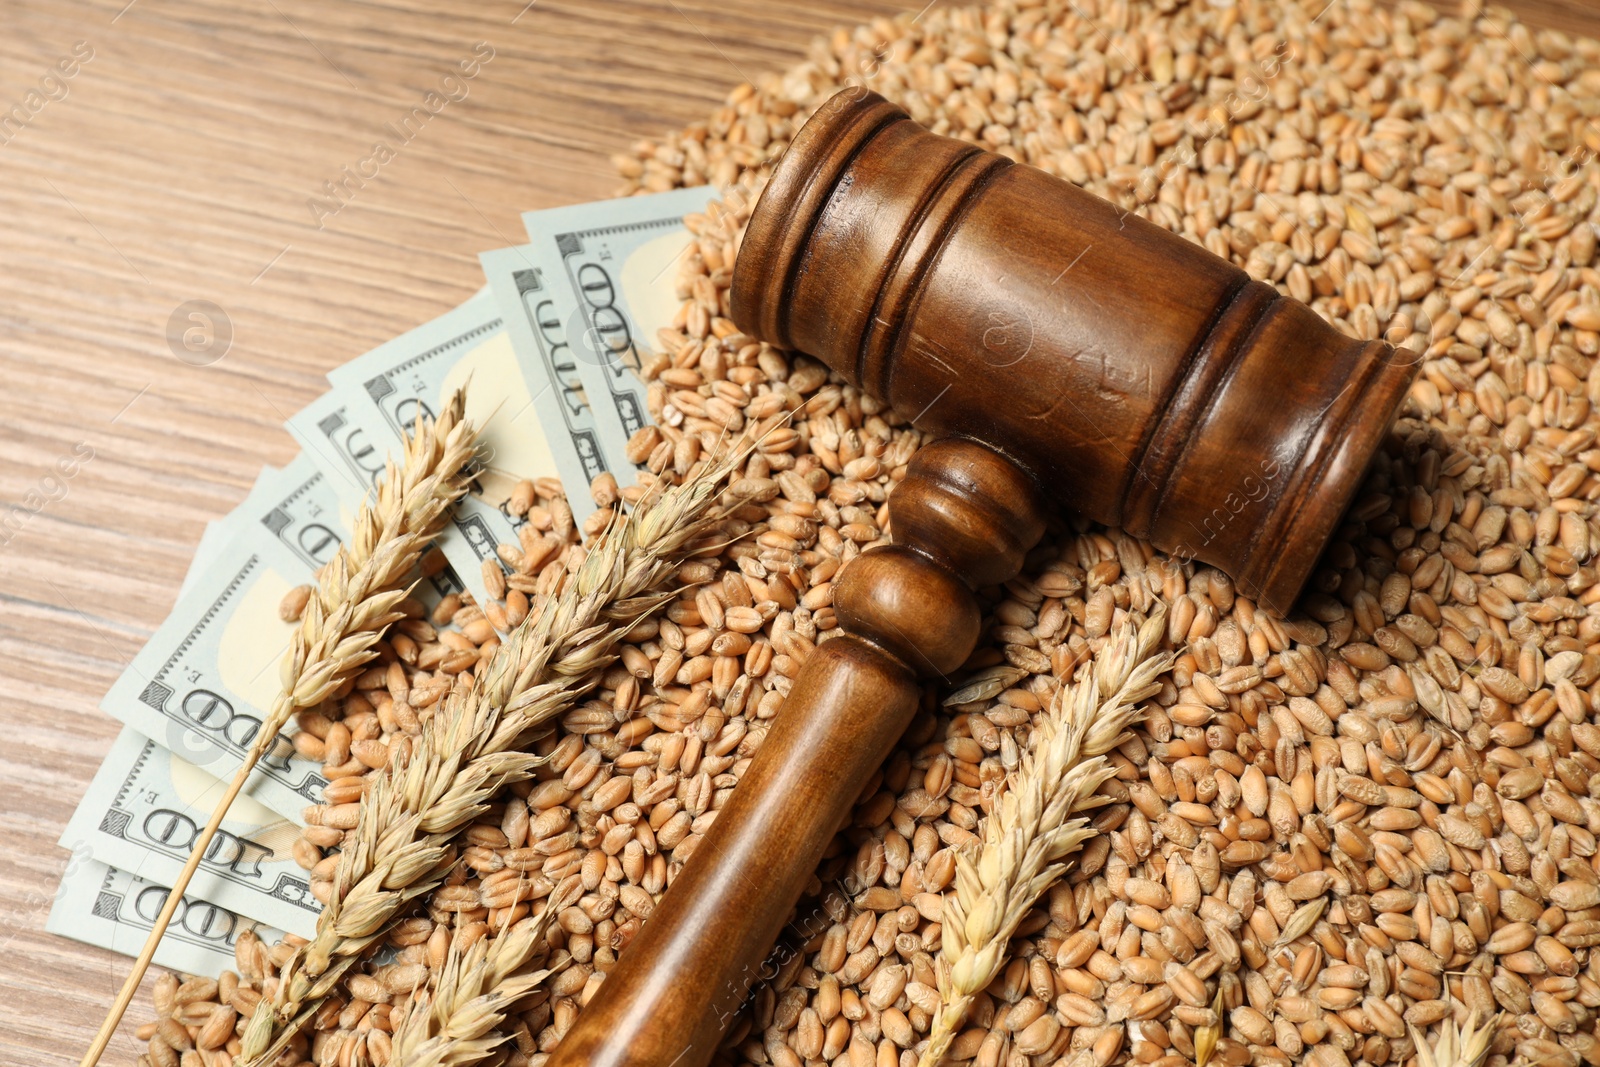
1417,749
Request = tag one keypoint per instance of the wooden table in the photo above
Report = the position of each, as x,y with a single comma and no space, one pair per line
178,168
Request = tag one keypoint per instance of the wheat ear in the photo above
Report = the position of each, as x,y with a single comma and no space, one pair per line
1466,1047
454,1026
358,595
1032,828
401,846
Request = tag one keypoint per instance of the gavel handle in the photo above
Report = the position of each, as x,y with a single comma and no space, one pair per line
964,517
681,979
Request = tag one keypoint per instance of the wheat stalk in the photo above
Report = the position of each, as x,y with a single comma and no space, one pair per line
358,595
1464,1047
402,841
1032,828
455,1025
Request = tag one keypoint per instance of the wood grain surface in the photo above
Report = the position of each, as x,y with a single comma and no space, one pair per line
178,168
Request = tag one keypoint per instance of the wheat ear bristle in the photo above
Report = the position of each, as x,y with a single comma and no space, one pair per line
454,1025
1032,828
1467,1046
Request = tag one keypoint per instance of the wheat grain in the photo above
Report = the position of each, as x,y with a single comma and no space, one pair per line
467,753
1032,828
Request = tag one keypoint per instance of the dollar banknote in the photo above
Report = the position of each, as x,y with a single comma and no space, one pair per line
339,443
206,550
416,372
619,260
100,905
525,291
217,534
203,682
144,812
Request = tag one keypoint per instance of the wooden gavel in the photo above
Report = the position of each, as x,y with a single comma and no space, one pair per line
1068,351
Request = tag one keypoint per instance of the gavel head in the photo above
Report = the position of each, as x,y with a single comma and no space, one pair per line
1142,380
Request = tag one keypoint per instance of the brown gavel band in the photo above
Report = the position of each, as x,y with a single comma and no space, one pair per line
1066,351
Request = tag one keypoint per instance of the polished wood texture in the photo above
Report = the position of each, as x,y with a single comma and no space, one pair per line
1144,381
908,609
